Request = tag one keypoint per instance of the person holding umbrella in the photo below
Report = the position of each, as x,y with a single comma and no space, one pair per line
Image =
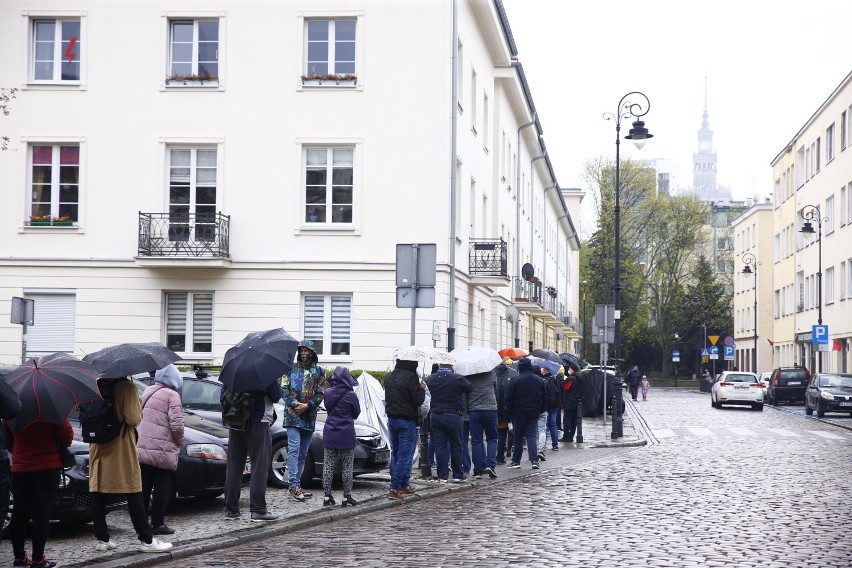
10,405
303,388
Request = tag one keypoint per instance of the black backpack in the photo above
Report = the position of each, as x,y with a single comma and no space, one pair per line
551,391
237,408
98,421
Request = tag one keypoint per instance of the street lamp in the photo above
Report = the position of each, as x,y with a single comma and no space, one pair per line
639,134
811,213
751,261
583,315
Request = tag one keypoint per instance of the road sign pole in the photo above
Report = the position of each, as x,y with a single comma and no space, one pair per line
414,292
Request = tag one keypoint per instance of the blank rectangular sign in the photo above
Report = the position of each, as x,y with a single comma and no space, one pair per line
426,264
421,298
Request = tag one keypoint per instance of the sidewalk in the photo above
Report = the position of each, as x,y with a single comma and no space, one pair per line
201,532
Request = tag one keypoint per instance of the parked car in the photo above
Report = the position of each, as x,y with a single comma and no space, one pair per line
829,392
788,384
738,388
202,396
764,379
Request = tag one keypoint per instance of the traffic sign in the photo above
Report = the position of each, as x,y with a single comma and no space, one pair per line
819,335
729,353
714,352
713,339
705,352
729,341
675,356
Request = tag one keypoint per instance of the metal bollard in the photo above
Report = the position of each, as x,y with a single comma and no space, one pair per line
580,421
425,468
617,403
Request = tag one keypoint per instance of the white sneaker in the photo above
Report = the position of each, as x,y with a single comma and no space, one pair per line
156,545
102,546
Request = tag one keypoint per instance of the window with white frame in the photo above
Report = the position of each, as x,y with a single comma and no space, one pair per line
849,278
829,215
54,314
843,206
54,184
829,143
330,47
486,131
829,285
473,95
194,49
843,131
776,304
842,293
329,184
56,49
849,203
816,156
327,322
460,76
192,194
189,322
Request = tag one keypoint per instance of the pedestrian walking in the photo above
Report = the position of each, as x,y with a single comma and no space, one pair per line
634,379
553,398
448,390
645,386
404,393
504,374
482,409
303,389
36,470
338,435
160,439
10,405
114,469
572,393
524,403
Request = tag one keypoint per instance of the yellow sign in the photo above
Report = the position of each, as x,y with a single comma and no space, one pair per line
713,339
705,359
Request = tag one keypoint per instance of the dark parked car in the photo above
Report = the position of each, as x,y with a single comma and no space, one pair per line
201,396
829,392
788,384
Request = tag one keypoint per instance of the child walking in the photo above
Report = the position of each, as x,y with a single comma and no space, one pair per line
645,386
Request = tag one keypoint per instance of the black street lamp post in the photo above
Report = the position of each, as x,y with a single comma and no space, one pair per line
639,134
583,309
751,267
811,213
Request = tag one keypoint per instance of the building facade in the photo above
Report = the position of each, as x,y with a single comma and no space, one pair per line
245,173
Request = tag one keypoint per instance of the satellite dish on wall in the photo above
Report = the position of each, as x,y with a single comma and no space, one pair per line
559,335
527,271
512,314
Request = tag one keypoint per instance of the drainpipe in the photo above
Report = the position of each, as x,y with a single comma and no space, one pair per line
518,222
451,328
532,206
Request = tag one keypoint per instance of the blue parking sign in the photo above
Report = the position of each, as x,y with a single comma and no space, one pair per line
819,335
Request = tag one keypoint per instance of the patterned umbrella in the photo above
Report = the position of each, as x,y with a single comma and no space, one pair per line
50,387
261,358
415,353
127,359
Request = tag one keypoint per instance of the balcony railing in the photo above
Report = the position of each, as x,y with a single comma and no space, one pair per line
527,291
489,257
184,235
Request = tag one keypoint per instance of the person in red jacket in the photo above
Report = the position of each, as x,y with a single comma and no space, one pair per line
36,467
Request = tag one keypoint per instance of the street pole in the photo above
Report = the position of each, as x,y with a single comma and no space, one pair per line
750,262
811,213
639,134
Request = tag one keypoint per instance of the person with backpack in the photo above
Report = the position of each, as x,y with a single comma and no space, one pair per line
160,439
553,397
572,394
303,389
114,464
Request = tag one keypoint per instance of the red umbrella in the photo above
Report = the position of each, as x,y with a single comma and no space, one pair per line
50,387
512,353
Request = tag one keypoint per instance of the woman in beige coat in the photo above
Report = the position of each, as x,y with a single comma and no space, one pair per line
114,468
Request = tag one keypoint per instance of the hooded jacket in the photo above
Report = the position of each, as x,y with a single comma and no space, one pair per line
305,384
504,375
342,406
403,395
161,429
525,394
447,389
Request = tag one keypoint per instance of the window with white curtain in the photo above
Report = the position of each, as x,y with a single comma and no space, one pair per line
189,322
327,322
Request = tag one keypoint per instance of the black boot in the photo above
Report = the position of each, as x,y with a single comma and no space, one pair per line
348,500
329,500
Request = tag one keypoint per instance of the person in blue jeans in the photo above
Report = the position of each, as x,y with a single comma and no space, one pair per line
404,393
445,414
524,402
482,410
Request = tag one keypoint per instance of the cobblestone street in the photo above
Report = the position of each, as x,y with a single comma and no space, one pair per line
729,487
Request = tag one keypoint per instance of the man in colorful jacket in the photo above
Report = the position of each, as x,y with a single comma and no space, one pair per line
303,390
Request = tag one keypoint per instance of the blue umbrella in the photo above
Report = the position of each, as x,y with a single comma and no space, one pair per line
553,367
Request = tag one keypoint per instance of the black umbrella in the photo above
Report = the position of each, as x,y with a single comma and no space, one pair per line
260,359
50,387
548,354
128,359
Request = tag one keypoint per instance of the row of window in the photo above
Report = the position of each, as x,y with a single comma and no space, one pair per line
192,178
188,324
194,49
837,285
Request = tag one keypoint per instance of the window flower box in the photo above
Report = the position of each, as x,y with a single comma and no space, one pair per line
315,80
192,80
47,221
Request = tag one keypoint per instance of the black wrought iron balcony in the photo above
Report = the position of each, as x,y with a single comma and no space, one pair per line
489,257
184,235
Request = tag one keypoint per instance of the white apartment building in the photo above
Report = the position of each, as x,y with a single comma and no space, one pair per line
752,233
813,184
190,172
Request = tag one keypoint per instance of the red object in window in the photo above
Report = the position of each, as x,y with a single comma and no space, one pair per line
837,345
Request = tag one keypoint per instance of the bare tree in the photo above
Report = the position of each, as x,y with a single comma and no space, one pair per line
6,96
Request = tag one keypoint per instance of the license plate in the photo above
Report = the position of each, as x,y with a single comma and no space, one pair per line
793,383
740,388
382,457
846,404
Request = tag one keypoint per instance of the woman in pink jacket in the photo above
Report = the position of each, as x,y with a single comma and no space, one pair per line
160,439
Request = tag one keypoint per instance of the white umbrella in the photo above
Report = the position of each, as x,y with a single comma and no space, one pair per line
475,359
415,353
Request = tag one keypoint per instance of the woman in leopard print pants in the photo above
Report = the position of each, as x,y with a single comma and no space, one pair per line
338,436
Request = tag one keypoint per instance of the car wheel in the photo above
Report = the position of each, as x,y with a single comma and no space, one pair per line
278,464
758,407
712,402
774,401
808,410
820,410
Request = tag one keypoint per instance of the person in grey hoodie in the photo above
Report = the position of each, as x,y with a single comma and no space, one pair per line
482,409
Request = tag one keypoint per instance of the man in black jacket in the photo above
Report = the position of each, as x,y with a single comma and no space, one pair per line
504,374
572,392
404,393
445,417
10,405
525,401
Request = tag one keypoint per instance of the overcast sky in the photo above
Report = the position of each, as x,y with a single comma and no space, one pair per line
769,66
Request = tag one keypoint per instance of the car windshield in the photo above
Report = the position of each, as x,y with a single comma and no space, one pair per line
739,378
835,381
201,395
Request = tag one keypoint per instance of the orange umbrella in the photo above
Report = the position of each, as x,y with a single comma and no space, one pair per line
512,353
